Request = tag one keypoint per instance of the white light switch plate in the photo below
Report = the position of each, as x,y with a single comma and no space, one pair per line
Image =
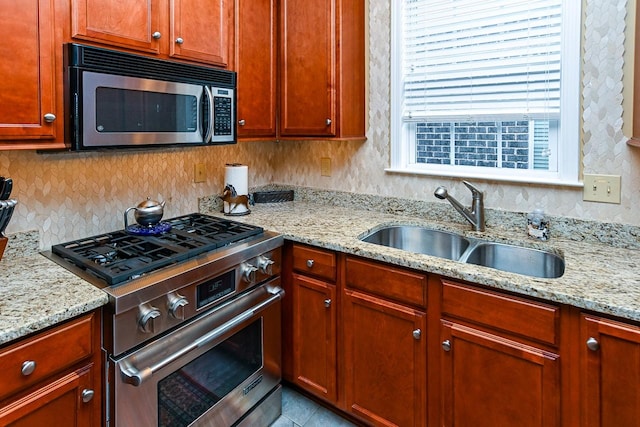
602,188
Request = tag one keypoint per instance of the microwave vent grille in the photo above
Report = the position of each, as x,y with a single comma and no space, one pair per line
109,61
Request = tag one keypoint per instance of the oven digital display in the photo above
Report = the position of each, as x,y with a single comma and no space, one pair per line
216,288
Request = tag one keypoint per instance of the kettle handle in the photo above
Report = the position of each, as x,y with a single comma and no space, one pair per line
126,214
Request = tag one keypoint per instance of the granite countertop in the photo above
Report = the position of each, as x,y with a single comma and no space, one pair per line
597,277
36,293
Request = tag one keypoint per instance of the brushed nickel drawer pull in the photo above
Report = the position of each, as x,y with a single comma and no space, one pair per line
28,367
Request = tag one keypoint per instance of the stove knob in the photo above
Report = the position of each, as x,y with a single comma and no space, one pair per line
265,265
146,315
248,272
175,305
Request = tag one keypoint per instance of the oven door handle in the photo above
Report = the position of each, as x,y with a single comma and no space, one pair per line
131,375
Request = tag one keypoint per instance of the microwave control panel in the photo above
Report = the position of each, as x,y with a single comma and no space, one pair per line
223,113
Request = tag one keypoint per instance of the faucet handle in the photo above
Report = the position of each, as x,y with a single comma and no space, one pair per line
474,190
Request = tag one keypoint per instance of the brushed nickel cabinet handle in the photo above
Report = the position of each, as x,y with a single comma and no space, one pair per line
327,302
593,344
156,35
417,334
310,263
87,395
446,345
28,367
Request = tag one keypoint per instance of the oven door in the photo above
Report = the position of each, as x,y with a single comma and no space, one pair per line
208,372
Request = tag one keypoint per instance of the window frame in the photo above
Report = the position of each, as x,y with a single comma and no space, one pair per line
568,152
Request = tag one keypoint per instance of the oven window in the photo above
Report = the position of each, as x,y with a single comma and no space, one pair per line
127,110
186,394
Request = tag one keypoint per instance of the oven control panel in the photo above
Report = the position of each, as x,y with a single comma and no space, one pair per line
180,303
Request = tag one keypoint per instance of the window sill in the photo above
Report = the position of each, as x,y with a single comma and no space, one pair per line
488,177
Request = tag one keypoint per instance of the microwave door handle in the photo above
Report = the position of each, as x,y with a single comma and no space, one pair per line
132,375
209,99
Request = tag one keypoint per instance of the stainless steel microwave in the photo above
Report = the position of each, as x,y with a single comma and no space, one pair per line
120,100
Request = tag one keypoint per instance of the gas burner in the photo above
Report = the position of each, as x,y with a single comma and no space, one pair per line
103,255
120,256
151,230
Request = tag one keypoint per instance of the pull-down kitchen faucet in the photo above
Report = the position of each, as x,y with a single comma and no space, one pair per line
476,215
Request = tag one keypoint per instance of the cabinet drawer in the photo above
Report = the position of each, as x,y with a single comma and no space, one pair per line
519,316
387,281
314,261
51,351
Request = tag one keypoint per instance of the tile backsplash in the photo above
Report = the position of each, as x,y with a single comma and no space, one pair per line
68,195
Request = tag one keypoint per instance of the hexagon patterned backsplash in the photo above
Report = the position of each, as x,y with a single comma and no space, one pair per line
68,195
71,195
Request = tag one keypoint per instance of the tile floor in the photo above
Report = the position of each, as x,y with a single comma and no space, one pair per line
298,411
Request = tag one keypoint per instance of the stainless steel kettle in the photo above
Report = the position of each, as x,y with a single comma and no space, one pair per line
148,213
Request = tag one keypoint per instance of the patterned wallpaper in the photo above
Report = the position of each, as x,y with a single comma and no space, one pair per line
67,196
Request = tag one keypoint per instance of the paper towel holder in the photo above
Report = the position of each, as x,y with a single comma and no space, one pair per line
233,200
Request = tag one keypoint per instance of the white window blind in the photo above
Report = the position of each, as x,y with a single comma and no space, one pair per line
478,59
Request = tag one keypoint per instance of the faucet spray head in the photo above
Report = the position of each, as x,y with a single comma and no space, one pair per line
441,193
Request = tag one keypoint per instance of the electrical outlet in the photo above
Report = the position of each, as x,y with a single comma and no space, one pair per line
200,173
602,188
325,166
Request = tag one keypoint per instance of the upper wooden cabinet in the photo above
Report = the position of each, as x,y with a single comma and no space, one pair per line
198,30
256,61
322,81
308,68
30,76
301,69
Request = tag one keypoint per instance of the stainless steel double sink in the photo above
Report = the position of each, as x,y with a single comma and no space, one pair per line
444,244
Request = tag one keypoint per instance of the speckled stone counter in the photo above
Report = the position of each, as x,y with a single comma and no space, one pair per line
598,276
36,293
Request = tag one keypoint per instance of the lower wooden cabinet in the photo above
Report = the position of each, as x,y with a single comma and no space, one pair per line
67,401
54,377
610,371
385,361
488,380
393,347
314,334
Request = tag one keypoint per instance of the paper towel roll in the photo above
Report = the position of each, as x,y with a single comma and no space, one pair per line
237,175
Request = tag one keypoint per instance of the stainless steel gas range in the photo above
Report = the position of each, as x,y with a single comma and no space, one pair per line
191,333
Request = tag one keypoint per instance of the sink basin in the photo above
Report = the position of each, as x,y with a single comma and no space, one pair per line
443,244
516,259
420,240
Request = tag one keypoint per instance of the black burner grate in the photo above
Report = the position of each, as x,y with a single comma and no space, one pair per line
120,256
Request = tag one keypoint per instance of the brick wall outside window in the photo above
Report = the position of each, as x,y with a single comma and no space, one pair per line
474,143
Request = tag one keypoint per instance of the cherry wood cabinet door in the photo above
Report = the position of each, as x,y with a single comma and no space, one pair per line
308,67
256,56
489,381
610,369
385,361
68,401
28,73
201,30
132,24
314,332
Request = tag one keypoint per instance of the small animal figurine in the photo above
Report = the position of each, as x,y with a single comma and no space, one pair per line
231,197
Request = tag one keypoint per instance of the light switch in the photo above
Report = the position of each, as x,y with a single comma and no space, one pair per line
602,188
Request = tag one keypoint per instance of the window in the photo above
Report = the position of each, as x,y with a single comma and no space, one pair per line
487,88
